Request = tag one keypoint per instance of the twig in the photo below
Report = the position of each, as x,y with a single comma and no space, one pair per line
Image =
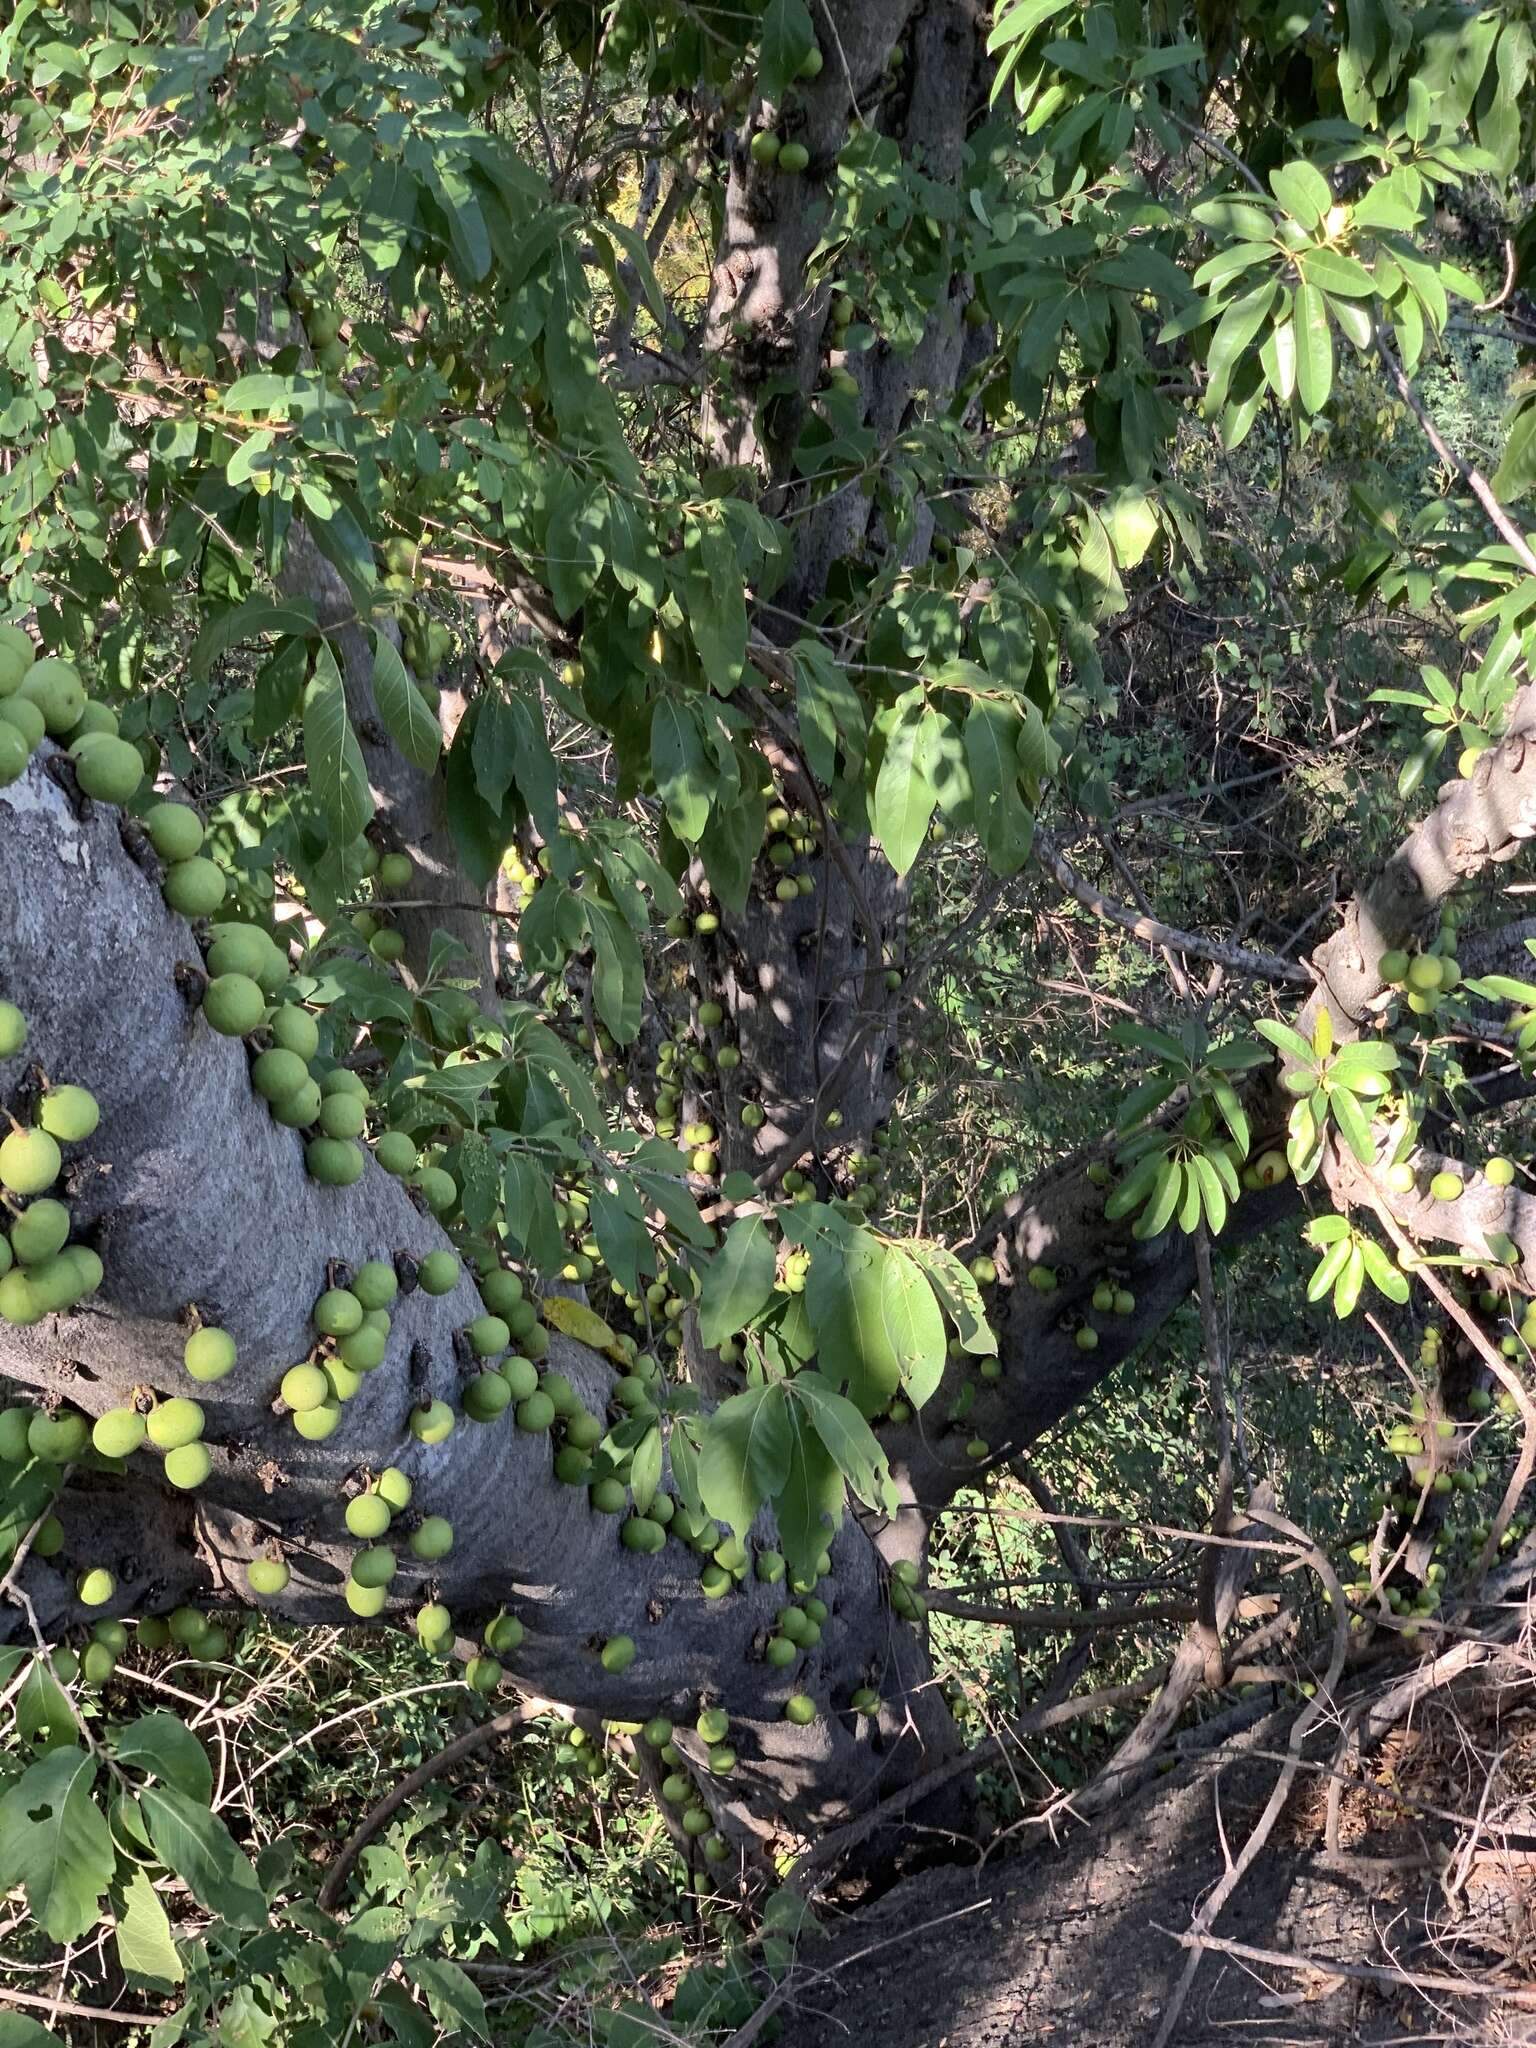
79,2012
1263,1826
1405,1980
1240,959
1474,479
454,1752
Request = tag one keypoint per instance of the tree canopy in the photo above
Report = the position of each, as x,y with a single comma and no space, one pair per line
721,728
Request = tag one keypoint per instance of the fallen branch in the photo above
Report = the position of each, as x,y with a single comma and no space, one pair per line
1366,1973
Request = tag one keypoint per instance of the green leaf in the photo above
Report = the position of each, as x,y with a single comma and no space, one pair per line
787,36
1354,1123
686,776
618,981
809,1506
196,1845
332,755
957,1292
1329,1267
1285,1040
163,1745
55,1841
745,1456
575,542
716,600
1168,1193
848,1439
1363,1056
1346,1290
904,796
1239,325
1213,1196
830,713
16,2031
738,1280
632,553
1386,1278
409,720
1517,465
1339,275
1303,191
247,622
145,1948
452,1998
1003,821
730,845
645,1468
1314,348
279,689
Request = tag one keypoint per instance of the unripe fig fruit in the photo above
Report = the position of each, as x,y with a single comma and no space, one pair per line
295,1030
298,1111
368,1516
618,1653
609,1496
304,1387
432,1423
432,1538
195,887
344,1381
696,1821
488,1336
482,1674
1446,1187
713,1724
393,1486
69,1114
396,871
29,1162
187,1466
434,1626
267,1575
521,1375
1498,1173
365,1601
362,1349
175,1422
40,1231
438,1273
118,1433
801,1709
278,1074
537,1413
175,831
793,158
334,1162
316,1424
503,1634
186,1626
439,1190
337,1313
375,1566
765,146
486,1397
396,1153
342,1116
54,686
110,770
94,1588
209,1353
13,1031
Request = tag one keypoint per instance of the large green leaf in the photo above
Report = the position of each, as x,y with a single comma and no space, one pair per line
196,1845
745,1457
1314,348
716,600
163,1745
408,718
145,1947
331,752
1003,820
847,1439
809,1507
55,1842
738,1280
787,36
685,772
904,795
